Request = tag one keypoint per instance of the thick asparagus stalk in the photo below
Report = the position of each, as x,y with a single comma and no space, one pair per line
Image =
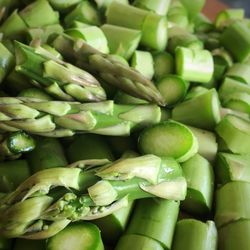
61,119
47,154
113,72
60,79
133,178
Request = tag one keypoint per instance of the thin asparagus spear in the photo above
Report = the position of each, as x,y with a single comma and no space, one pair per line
113,72
58,78
61,119
230,167
195,235
156,219
200,180
227,211
77,236
235,236
176,141
47,154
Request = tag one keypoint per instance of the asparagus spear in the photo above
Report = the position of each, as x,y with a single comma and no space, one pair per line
60,119
113,72
58,78
39,215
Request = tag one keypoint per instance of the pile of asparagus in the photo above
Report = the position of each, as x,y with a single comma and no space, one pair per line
123,125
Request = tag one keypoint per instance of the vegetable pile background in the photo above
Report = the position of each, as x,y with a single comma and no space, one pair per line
123,125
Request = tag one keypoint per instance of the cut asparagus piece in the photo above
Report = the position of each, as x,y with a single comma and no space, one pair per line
84,12
122,41
235,236
194,65
77,236
173,88
235,132
89,147
239,72
123,98
13,173
195,8
202,111
114,225
230,167
167,139
163,64
208,146
93,36
227,211
63,5
110,70
200,182
143,62
137,242
62,119
47,154
14,144
195,235
114,185
39,14
155,219
50,72
158,6
226,17
236,39
153,26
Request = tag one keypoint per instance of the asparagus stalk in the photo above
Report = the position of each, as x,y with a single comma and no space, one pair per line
228,211
123,98
239,72
35,93
133,178
61,119
63,5
172,136
13,145
13,173
77,236
155,219
235,236
47,154
200,181
230,167
192,234
82,148
58,78
113,72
